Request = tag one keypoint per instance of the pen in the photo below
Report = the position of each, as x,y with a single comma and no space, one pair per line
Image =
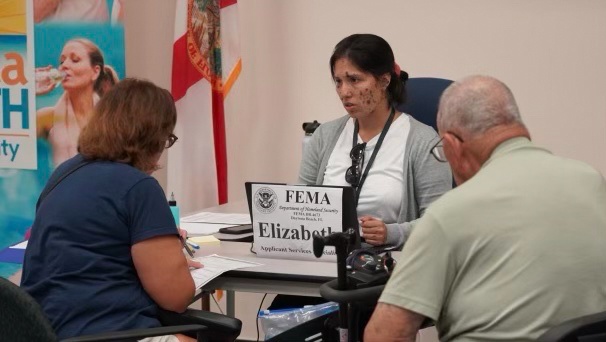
186,246
193,244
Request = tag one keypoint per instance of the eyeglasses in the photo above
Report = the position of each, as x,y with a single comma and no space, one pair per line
354,172
172,139
438,149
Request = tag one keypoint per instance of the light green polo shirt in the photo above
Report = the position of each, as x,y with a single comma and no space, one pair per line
518,248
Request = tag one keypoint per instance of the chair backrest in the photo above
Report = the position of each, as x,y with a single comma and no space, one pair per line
423,95
590,328
21,318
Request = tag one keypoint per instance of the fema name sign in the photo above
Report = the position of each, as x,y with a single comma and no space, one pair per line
286,217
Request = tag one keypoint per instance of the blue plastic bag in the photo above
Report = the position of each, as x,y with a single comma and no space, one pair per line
275,322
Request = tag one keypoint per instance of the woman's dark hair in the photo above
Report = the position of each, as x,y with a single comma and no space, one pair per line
130,124
372,54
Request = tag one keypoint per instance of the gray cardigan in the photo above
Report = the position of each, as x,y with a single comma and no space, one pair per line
426,178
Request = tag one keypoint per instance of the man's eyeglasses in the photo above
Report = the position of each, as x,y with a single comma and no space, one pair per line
354,172
172,139
438,149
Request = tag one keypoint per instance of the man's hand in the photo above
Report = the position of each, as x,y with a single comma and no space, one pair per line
373,230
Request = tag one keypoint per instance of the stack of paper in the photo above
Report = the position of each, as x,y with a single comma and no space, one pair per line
206,223
214,266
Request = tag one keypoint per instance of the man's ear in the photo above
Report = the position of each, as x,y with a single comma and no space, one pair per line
454,145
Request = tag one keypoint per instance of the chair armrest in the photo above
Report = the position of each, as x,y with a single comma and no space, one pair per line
221,328
368,295
136,334
585,328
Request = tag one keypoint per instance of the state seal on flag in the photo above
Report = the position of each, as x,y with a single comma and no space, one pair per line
204,40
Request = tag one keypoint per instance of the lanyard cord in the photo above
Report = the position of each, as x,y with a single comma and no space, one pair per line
374,152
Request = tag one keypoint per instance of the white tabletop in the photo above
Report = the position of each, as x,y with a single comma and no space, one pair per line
274,276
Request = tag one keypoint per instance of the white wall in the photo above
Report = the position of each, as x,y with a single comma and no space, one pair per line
148,26
550,52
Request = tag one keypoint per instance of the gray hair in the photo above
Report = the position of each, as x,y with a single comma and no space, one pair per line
477,103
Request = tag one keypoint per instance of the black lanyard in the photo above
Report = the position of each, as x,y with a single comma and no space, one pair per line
374,152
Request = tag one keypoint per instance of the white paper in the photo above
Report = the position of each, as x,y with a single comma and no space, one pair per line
20,245
214,266
194,229
218,218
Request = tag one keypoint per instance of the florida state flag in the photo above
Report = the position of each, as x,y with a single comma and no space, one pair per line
206,62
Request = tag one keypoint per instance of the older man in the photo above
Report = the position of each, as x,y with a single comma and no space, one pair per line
516,248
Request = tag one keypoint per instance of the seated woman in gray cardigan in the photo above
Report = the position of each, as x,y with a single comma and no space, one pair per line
381,152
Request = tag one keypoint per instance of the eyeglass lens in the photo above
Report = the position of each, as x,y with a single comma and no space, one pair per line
438,152
171,140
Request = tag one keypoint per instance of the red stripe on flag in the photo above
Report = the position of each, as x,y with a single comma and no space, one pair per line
184,73
220,144
225,3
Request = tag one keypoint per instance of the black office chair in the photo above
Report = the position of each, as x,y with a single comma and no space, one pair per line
422,98
22,319
590,328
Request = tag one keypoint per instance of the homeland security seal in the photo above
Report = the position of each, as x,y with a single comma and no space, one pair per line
266,200
203,39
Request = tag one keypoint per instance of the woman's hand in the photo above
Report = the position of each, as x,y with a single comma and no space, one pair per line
190,262
183,233
373,230
194,264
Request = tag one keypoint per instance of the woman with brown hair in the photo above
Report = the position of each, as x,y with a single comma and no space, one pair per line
85,78
104,252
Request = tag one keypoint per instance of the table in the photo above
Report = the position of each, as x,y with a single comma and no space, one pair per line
282,276
294,277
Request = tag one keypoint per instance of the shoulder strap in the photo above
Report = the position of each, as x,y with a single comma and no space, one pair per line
50,186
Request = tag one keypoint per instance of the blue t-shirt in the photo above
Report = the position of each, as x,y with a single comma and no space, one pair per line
78,263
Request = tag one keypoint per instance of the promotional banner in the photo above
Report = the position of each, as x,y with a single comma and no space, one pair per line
57,58
17,114
285,219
